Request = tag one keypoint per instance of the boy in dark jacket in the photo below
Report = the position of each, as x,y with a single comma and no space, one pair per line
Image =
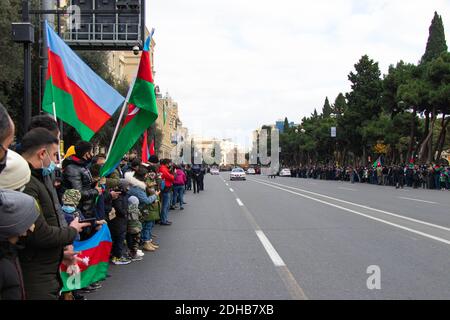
118,225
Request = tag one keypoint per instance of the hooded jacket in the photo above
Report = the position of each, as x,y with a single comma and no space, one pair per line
149,203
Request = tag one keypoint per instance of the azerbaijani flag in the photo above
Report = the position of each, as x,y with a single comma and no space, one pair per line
145,153
142,112
152,148
76,93
377,163
93,261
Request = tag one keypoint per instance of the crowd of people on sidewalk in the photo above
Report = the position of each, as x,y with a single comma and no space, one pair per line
46,205
431,176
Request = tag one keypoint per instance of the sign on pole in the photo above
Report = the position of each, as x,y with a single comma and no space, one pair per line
333,132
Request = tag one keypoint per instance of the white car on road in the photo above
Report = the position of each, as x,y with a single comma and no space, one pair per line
285,173
214,171
251,171
237,174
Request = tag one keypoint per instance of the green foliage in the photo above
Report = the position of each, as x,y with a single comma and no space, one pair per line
436,44
327,110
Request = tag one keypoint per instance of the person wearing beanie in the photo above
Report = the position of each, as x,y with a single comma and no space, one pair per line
71,199
18,213
134,229
16,173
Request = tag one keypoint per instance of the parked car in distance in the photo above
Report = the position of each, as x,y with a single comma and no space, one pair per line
214,171
237,174
285,172
251,171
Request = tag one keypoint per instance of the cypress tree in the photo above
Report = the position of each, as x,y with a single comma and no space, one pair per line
436,44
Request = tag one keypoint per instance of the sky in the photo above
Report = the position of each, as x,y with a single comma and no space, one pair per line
235,65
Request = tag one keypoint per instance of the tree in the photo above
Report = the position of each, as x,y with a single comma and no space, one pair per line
436,40
327,110
286,124
364,104
436,46
438,74
340,104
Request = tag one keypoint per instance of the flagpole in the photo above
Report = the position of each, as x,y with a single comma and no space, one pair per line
120,117
59,142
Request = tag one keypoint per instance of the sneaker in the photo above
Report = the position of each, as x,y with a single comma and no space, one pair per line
136,258
95,285
181,208
120,261
140,253
77,296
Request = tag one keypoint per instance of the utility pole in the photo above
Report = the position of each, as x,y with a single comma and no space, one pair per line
27,68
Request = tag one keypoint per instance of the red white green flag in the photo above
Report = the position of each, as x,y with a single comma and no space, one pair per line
142,112
75,93
92,261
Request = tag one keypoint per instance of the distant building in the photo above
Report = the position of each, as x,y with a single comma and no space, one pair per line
172,129
280,125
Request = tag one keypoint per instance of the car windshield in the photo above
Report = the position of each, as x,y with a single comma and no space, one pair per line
238,170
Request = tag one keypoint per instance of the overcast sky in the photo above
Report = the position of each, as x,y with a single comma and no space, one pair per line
234,65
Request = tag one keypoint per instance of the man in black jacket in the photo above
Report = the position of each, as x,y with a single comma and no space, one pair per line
43,251
76,175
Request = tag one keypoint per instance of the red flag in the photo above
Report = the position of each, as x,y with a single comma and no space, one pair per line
152,148
144,149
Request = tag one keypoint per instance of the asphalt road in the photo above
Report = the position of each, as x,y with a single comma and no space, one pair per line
290,238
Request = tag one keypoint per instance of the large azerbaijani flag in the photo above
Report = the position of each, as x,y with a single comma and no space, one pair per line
93,261
74,92
142,112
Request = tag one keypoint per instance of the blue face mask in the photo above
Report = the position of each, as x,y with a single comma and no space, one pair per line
68,209
46,171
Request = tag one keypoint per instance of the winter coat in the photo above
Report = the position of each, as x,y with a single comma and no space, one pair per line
11,283
180,179
43,251
149,205
76,175
118,225
166,176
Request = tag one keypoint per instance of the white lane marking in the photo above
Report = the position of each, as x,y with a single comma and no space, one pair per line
226,184
365,207
418,200
347,189
239,202
273,254
231,190
364,215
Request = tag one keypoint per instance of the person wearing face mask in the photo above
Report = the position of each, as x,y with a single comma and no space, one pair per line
76,175
53,180
43,251
6,135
